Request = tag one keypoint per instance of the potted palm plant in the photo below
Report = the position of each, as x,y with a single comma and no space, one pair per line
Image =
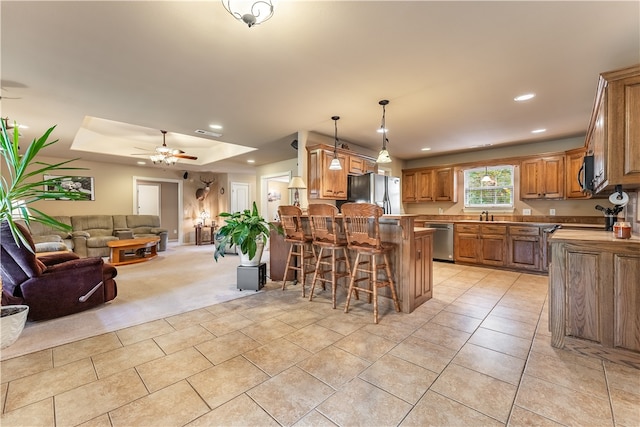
20,187
248,231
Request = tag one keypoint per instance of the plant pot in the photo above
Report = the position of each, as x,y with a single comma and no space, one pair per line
245,261
11,323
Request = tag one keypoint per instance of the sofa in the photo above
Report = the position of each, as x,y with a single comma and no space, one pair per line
138,226
55,285
49,239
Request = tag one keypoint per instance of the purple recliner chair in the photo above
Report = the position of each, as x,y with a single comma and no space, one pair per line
55,285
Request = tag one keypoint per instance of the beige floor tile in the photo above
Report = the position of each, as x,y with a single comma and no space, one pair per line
314,419
442,335
218,310
190,318
365,345
52,382
393,330
238,412
424,353
467,309
127,357
88,347
509,326
563,405
484,301
99,421
456,321
435,410
399,377
519,303
542,345
504,343
36,414
227,323
223,382
626,407
276,356
179,340
227,347
262,312
570,375
175,405
314,337
144,331
522,417
268,330
3,395
622,377
23,366
290,395
160,373
299,318
489,362
334,366
359,403
342,323
516,314
87,402
478,391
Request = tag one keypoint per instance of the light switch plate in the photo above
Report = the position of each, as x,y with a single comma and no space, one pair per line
526,211
552,212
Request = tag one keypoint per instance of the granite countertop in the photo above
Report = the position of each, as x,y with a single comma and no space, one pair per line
533,224
595,236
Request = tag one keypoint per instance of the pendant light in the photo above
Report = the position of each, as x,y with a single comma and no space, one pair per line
335,163
383,156
486,178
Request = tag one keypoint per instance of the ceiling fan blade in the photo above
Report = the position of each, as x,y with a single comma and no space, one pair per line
185,156
175,151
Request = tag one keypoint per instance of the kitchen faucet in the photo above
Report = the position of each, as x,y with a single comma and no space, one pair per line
486,215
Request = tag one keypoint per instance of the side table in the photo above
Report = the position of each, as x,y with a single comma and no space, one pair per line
252,277
199,234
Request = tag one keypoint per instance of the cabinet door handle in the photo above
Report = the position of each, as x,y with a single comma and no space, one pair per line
418,254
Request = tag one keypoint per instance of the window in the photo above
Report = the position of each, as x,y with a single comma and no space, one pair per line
489,187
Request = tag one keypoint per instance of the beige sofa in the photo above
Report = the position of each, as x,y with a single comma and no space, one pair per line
49,239
141,226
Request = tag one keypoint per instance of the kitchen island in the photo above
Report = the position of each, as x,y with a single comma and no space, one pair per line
594,294
410,260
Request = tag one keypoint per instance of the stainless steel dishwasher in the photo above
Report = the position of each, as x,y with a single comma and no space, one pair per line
442,241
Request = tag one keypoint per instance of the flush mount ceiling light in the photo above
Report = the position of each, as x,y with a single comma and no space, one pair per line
335,163
383,156
250,12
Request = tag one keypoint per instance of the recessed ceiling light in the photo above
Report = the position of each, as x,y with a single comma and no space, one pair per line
481,145
524,97
425,149
251,161
380,130
215,127
141,163
538,131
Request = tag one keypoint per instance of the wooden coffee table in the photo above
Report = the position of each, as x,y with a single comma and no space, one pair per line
129,251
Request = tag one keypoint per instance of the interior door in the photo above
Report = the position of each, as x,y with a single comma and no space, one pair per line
239,196
148,199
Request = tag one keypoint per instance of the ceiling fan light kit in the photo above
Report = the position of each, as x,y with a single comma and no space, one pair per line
168,156
251,13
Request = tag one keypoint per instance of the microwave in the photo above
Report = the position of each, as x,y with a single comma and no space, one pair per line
585,174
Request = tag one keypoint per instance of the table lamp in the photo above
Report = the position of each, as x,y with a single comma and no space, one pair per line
296,184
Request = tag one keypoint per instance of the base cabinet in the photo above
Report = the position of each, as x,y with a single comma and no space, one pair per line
594,297
423,269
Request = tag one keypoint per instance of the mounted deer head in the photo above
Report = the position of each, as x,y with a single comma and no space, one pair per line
202,193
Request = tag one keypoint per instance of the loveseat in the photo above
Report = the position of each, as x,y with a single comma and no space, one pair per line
141,226
54,285
49,239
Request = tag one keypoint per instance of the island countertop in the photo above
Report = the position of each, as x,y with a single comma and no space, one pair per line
592,236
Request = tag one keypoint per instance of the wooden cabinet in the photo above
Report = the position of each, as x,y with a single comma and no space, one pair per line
524,248
593,285
423,268
573,163
614,130
324,183
493,243
429,185
542,178
466,242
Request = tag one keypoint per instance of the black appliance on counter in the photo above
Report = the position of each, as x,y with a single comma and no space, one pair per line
585,174
610,215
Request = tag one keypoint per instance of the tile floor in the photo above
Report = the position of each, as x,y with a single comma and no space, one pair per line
477,354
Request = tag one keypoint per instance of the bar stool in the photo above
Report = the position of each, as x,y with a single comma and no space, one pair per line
362,227
301,251
326,238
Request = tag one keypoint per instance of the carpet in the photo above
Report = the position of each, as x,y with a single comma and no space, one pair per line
180,279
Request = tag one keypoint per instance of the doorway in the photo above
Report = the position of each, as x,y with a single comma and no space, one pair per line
166,195
275,187
239,196
149,199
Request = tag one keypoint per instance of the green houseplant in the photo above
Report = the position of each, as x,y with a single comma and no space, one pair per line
20,187
247,230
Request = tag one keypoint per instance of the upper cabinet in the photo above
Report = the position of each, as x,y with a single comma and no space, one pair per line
574,175
324,183
429,185
542,178
613,135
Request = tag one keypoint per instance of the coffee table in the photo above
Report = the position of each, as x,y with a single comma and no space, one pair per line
129,251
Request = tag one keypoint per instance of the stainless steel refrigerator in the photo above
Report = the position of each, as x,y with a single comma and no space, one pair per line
384,191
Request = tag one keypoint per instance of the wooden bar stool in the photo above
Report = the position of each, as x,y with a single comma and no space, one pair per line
327,238
362,227
301,256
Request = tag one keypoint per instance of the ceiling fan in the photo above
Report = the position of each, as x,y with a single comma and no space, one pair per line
166,155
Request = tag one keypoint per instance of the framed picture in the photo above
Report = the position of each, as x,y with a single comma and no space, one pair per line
80,184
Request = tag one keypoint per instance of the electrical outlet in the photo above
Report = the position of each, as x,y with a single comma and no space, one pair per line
175,231
526,211
440,211
552,212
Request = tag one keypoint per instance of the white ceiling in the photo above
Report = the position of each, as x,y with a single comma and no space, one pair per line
450,70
